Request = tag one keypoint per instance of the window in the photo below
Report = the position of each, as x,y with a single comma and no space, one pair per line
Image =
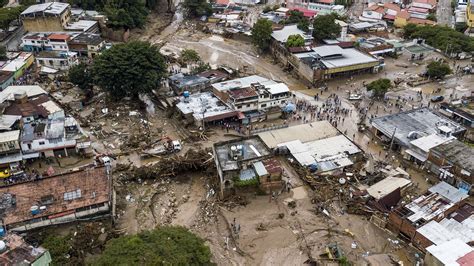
248,105
41,62
72,195
51,62
29,146
32,41
41,143
263,105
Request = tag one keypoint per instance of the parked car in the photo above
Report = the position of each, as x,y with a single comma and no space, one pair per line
5,173
438,98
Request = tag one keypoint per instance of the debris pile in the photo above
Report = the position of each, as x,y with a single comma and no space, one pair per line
171,166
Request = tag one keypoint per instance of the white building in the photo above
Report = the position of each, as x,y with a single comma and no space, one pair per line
57,60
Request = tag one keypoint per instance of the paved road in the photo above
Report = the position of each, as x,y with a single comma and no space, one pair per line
444,13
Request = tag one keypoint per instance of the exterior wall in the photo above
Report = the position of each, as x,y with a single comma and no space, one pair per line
469,16
400,22
81,49
9,146
436,161
43,24
7,83
58,63
57,46
43,145
94,50
433,261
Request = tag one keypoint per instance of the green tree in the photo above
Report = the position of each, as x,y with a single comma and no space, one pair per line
59,247
129,69
28,2
197,8
162,246
9,14
126,14
437,69
81,75
3,53
431,16
3,3
88,4
189,56
324,27
461,27
295,17
409,30
303,25
262,34
441,37
379,87
267,9
295,40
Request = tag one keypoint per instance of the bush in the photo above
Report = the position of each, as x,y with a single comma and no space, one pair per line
295,40
246,183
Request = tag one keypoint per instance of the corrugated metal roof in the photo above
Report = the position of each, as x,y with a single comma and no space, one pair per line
449,252
260,169
451,193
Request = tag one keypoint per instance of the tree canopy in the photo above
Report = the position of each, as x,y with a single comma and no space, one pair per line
437,69
126,14
129,69
440,37
81,75
325,27
89,4
379,87
162,246
9,14
197,8
262,33
295,40
189,56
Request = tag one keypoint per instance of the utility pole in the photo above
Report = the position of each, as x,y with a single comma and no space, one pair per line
393,138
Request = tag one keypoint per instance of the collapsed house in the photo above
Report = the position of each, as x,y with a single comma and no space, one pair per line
50,200
246,162
15,251
415,221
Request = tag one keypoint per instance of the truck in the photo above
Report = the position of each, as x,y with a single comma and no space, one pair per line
165,146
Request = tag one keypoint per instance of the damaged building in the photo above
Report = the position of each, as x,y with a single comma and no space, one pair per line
246,162
50,200
414,220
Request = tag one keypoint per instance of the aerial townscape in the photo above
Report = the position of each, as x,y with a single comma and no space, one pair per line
237,132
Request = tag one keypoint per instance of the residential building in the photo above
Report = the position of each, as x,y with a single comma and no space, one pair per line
47,17
180,83
214,76
401,128
34,42
19,64
470,14
87,44
58,42
450,253
464,115
412,16
321,6
31,91
235,162
18,252
387,193
89,26
205,108
453,162
421,147
6,79
252,94
57,199
438,202
279,38
57,60
10,150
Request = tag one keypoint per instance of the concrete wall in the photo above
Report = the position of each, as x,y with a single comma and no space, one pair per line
43,24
